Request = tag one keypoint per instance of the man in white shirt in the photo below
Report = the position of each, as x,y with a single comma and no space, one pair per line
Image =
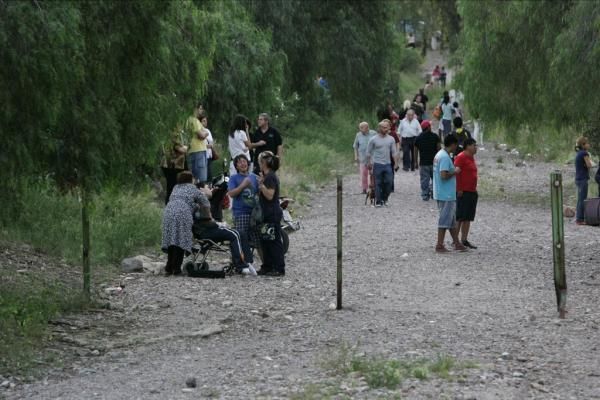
409,130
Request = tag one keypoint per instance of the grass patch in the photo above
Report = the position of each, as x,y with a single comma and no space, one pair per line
27,302
545,143
317,149
121,222
379,372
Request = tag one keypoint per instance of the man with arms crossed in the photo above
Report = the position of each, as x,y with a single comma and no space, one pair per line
444,191
466,190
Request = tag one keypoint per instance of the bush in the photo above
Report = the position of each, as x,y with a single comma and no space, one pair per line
51,221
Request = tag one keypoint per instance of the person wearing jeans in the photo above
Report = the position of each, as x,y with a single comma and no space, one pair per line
428,144
361,141
582,176
380,152
197,150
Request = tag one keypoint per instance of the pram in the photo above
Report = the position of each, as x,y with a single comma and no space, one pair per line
197,264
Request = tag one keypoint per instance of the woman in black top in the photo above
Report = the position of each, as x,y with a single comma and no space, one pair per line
270,233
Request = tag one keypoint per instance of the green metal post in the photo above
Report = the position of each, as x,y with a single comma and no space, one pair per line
558,242
85,231
339,242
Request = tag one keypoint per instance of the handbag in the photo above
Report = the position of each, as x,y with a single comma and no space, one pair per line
215,155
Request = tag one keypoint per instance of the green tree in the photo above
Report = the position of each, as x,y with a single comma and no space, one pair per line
248,72
91,88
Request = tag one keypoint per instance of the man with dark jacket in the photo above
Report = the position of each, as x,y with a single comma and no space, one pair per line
428,144
271,137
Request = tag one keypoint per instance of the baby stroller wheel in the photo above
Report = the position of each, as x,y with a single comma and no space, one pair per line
286,241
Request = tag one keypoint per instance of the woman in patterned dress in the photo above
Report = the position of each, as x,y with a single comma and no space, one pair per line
177,222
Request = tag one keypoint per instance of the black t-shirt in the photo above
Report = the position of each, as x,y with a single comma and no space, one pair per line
427,143
270,208
273,139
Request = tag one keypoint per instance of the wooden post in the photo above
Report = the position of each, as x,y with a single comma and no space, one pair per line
558,242
85,233
339,242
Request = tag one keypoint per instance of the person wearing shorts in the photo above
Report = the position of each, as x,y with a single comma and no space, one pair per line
466,190
444,191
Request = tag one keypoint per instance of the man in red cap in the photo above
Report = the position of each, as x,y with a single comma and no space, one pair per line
428,144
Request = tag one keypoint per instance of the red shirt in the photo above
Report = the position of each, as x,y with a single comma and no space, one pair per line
466,180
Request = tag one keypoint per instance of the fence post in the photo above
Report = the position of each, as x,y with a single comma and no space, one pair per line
339,242
558,242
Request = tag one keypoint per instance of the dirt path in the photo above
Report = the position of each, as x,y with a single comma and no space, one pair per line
246,338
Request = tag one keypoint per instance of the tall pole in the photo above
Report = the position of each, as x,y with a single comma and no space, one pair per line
85,233
339,242
558,242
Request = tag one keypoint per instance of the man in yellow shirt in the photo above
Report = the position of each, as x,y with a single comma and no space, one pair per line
197,151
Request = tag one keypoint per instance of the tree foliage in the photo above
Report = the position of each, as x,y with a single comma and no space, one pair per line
89,88
531,58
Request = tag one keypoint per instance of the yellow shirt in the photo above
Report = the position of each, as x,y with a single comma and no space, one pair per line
192,126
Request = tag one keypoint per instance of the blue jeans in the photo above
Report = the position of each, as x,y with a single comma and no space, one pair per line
426,173
384,176
199,165
582,192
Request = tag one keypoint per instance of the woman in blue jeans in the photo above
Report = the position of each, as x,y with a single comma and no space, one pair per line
582,176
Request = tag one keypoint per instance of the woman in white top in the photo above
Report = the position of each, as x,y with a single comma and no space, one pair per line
209,145
239,142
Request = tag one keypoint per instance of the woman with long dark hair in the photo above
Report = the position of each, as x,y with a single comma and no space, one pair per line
447,111
270,232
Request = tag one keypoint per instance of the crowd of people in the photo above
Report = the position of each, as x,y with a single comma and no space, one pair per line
445,160
253,187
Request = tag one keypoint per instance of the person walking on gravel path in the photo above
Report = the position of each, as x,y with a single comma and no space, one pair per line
428,144
444,191
361,141
447,112
461,133
582,176
380,151
409,130
466,190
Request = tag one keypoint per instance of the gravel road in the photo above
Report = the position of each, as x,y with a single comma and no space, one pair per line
247,338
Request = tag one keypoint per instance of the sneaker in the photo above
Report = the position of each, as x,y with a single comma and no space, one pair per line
460,247
249,270
386,204
441,249
580,222
469,244
378,205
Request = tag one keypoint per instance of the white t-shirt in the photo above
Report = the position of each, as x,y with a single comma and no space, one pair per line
237,145
409,129
209,140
